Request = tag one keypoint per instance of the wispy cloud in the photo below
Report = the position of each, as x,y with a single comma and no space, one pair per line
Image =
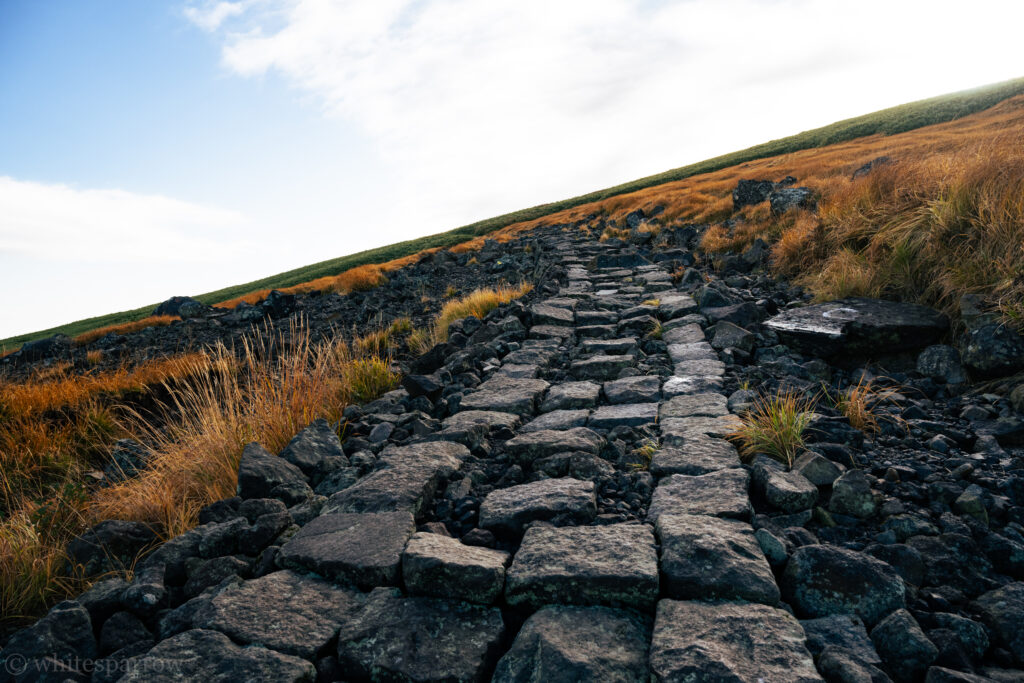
210,15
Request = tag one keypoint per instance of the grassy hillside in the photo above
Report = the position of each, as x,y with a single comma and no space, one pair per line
890,121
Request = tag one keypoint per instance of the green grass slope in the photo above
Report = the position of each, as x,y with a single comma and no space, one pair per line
886,122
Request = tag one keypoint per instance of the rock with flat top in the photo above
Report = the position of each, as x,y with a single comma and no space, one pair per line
568,501
443,567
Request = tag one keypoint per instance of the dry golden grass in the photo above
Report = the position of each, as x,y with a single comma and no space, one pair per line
858,403
94,357
125,328
476,304
775,427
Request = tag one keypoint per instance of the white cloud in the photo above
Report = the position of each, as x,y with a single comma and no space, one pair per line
62,223
210,15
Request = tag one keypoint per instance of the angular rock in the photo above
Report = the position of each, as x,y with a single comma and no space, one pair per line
678,430
614,566
471,427
675,306
507,395
710,558
565,644
110,546
787,491
840,630
784,199
421,385
625,345
316,450
694,405
728,335
627,415
698,641
262,475
602,367
684,334
750,192
903,646
818,469
994,350
362,549
695,456
719,494
1001,610
445,568
852,495
560,500
543,314
62,641
941,362
419,639
557,420
633,390
677,386
571,395
528,447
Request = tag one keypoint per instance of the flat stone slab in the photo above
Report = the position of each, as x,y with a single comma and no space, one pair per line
711,558
595,331
419,639
571,395
610,347
407,482
694,405
675,305
507,395
443,567
600,367
679,353
699,368
859,325
695,456
597,317
690,333
718,494
698,641
518,370
629,415
534,352
532,445
678,386
557,420
203,655
544,314
550,332
614,566
565,644
287,612
676,430
565,500
471,427
643,389
361,549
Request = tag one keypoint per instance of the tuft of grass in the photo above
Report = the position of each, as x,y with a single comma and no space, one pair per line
858,403
645,453
651,302
775,426
451,292
657,331
472,261
476,304
94,357
376,343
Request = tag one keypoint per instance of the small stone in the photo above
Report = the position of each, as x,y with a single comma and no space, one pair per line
262,475
972,503
633,390
852,495
786,491
818,469
841,630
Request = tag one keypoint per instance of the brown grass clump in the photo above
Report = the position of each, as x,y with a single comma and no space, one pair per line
476,304
775,427
125,328
858,404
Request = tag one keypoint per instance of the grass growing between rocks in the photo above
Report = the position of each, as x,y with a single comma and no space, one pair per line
774,426
476,304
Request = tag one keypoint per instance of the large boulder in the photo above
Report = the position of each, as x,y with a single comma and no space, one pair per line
184,306
262,475
859,325
55,648
784,199
993,350
750,192
44,348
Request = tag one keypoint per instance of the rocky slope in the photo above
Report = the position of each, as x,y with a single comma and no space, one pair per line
550,498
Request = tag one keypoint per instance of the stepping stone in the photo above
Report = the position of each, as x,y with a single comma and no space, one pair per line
287,612
558,500
557,420
526,448
596,331
684,334
600,367
518,371
419,639
407,482
471,427
695,456
571,395
561,643
629,415
677,386
699,368
698,641
675,306
675,430
680,353
597,317
633,390
614,566
611,347
443,567
534,352
719,494
202,655
550,315
694,405
637,325
710,558
361,549
506,394
550,332
560,302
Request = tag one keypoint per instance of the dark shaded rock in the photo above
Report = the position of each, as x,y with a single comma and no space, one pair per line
903,646
443,567
63,638
262,475
993,350
121,630
852,495
41,349
559,500
782,200
213,572
871,165
750,192
316,450
840,630
421,385
530,446
1001,610
941,362
839,665
110,546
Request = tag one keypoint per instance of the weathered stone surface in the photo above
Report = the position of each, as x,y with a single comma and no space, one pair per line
633,390
628,415
1001,610
994,350
675,305
556,420
419,639
694,405
840,630
859,325
518,370
683,334
602,367
697,641
719,494
571,395
611,347
707,558
443,567
507,395
64,634
109,546
407,482
566,644
852,495
533,445
699,368
695,456
203,655
821,580
287,612
614,566
262,475
677,430
680,353
362,549
315,450
727,335
550,332
509,510
818,469
678,386
903,646
544,314
471,427
787,491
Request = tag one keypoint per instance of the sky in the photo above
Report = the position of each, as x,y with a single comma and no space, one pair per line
151,149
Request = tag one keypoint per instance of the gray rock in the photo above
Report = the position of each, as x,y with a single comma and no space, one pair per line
419,639
676,431
822,580
571,395
557,420
528,447
561,500
841,630
443,567
262,475
971,635
1000,609
719,494
839,665
786,491
852,495
680,353
786,198
751,192
472,427
728,335
625,415
633,390
551,315
775,549
612,347
110,546
564,644
316,450
507,395
287,612
675,306
64,634
939,674
710,558
614,566
694,405
690,333
818,469
202,655
361,549
993,350
941,362
695,456
602,367
698,641
903,646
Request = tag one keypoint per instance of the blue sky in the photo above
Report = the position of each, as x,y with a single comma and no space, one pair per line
156,148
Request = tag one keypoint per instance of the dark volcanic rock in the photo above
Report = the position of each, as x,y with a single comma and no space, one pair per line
262,475
994,350
63,637
749,192
110,546
316,450
184,306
